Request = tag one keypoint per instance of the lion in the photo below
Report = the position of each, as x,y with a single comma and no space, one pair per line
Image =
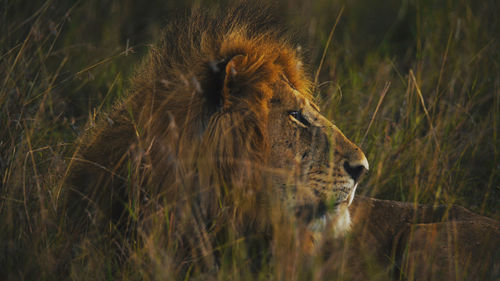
218,127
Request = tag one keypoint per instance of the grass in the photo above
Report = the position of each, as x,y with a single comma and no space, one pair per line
414,82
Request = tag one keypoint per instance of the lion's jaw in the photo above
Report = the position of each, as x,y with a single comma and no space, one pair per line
337,222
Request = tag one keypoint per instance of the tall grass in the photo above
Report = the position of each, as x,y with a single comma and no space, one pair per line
433,134
434,139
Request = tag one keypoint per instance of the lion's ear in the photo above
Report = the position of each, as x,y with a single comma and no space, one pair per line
222,76
242,78
234,70
234,65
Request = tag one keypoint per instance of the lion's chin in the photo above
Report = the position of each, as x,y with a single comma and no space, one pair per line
336,222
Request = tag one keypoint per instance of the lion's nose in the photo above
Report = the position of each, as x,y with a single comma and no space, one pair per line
357,168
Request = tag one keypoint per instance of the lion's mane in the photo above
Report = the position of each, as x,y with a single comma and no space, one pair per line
181,158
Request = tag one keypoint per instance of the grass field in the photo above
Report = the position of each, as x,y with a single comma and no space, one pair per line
415,83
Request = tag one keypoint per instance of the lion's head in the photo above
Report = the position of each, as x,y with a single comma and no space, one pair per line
219,119
319,167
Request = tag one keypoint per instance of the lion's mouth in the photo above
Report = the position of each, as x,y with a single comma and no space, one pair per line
308,213
316,215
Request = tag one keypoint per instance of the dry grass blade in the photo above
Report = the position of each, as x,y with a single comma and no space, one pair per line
103,61
421,98
330,36
384,92
443,62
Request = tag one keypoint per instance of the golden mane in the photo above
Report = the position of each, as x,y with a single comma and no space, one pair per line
188,145
181,83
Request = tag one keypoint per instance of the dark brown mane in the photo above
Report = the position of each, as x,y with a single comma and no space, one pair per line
187,144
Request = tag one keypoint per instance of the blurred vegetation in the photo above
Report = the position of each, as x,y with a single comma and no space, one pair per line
432,137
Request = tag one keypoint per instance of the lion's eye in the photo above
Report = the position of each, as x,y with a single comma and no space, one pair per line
297,115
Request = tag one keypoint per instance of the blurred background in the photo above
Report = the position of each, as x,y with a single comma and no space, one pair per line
416,83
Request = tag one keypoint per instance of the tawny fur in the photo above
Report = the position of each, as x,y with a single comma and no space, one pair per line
188,153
